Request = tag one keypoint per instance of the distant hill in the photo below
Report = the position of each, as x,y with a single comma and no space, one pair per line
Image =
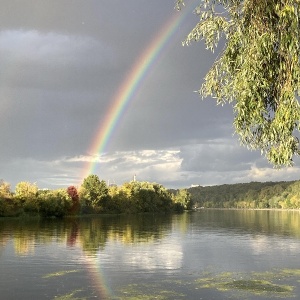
283,194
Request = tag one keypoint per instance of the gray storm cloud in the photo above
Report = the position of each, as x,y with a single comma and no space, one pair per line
61,65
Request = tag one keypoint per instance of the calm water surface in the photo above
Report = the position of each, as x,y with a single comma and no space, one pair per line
208,254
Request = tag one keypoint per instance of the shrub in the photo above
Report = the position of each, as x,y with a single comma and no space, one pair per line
55,203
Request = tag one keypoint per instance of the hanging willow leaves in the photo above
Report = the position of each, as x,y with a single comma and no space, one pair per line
258,69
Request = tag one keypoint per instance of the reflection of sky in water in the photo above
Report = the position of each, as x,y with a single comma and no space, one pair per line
227,251
164,254
265,244
203,250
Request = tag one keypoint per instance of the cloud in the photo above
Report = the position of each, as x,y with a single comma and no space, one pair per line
220,155
46,173
61,66
148,165
51,60
271,174
49,84
164,166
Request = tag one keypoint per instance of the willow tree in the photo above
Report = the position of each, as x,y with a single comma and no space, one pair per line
258,70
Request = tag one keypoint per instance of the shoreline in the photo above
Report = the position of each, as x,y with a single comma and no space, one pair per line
233,208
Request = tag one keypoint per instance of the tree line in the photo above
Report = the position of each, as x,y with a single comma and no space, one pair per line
281,195
94,196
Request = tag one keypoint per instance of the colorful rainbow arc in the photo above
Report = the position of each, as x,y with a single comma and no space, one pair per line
130,86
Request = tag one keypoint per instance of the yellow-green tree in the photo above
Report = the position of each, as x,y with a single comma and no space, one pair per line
258,70
4,189
182,198
26,194
7,205
25,190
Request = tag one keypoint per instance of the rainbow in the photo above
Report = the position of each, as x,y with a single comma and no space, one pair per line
130,86
94,268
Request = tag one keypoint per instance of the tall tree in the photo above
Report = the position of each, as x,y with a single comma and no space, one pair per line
94,192
258,70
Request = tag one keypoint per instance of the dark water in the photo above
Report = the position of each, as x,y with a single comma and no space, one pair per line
208,254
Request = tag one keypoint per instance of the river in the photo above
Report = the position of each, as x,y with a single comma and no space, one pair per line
205,254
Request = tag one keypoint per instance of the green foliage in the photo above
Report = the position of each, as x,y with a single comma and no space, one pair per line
54,203
8,206
94,193
93,197
151,197
26,195
134,196
25,190
5,189
258,69
248,195
182,200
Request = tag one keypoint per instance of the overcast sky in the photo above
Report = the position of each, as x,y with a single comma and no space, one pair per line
62,62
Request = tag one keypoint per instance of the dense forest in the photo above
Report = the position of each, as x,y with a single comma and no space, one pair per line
94,196
283,194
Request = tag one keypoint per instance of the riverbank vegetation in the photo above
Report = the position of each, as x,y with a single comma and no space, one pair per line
92,197
276,195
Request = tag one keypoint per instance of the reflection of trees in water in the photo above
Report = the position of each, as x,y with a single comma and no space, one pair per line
24,245
3,241
94,233
72,236
127,229
270,222
26,233
91,233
